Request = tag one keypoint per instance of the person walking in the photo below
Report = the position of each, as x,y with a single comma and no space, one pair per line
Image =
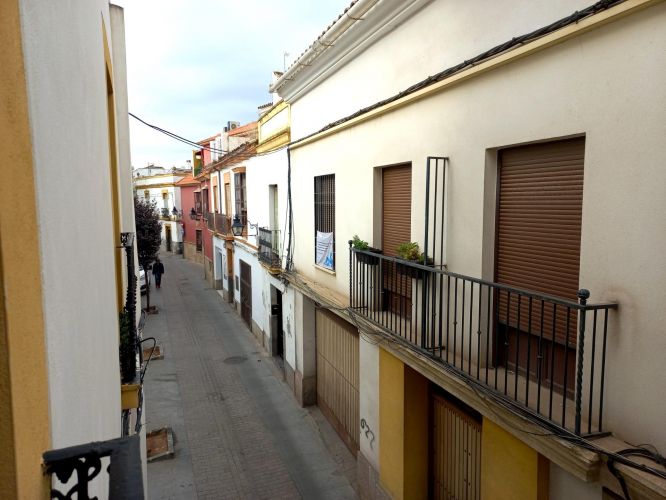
158,271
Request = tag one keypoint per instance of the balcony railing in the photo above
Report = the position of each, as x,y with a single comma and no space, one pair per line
210,220
222,224
543,354
269,247
125,478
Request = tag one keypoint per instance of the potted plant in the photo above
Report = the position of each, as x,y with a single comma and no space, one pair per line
358,244
411,252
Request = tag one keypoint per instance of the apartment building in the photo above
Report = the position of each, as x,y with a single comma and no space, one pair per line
523,157
68,261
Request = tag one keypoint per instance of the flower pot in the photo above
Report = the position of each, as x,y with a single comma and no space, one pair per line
403,268
369,259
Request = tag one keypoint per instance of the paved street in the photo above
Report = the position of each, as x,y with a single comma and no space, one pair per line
239,432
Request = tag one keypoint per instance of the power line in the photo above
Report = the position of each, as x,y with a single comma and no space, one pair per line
178,137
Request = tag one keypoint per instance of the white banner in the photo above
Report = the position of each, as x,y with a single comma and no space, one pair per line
324,256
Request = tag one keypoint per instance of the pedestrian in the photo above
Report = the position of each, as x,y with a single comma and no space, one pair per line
158,271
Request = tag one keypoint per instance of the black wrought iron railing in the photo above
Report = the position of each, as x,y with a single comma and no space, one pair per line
269,247
210,220
125,478
544,354
222,224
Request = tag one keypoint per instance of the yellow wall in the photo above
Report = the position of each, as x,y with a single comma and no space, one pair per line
510,470
403,429
24,418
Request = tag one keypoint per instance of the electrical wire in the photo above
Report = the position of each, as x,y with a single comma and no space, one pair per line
178,137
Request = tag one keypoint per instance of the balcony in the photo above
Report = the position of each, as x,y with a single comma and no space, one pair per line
269,248
210,221
84,462
223,225
543,355
166,214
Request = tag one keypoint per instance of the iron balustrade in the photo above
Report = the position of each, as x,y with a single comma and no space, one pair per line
269,247
544,354
125,477
210,220
222,224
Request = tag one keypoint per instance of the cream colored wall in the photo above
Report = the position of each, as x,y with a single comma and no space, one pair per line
442,34
65,70
595,85
369,400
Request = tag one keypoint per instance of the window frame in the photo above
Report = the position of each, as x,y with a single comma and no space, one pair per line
324,212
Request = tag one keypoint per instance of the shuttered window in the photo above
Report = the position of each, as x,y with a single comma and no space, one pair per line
539,223
396,230
538,248
324,207
241,196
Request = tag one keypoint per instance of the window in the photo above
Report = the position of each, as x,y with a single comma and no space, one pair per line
204,200
324,205
165,200
146,195
241,196
197,202
199,240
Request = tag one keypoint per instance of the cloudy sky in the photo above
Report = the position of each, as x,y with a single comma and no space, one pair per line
194,65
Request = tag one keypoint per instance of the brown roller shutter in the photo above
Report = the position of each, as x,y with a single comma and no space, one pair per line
539,217
396,229
396,207
538,248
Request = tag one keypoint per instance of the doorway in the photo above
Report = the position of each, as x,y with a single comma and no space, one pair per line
246,293
396,229
167,229
538,231
277,330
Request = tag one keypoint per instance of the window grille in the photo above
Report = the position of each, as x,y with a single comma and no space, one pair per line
324,205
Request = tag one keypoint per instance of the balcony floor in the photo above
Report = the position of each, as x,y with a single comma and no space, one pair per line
512,385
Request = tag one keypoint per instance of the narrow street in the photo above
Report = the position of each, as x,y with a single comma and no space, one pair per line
239,432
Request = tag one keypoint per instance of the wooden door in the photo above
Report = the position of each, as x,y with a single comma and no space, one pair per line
539,218
338,375
396,229
455,452
246,292
167,230
227,199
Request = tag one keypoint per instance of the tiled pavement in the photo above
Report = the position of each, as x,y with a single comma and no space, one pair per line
239,431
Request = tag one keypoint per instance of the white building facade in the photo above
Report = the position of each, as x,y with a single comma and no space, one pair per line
454,159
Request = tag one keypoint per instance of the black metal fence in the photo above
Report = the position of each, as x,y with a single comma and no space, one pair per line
84,462
269,247
222,224
545,353
210,220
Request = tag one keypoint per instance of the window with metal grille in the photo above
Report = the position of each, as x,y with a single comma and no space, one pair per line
204,200
241,196
324,205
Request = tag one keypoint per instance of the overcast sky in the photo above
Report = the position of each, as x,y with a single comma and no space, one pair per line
194,65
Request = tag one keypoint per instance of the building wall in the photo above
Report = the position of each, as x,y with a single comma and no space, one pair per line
186,205
80,297
623,187
411,51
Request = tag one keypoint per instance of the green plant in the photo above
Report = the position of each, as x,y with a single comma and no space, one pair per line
359,244
127,348
410,251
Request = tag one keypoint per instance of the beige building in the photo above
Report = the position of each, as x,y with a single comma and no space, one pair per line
66,213
528,170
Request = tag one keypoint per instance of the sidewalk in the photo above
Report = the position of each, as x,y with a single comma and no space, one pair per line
239,432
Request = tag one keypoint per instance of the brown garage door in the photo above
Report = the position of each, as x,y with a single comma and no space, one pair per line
338,375
538,235
396,229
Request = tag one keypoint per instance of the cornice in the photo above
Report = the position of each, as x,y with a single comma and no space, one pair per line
306,74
